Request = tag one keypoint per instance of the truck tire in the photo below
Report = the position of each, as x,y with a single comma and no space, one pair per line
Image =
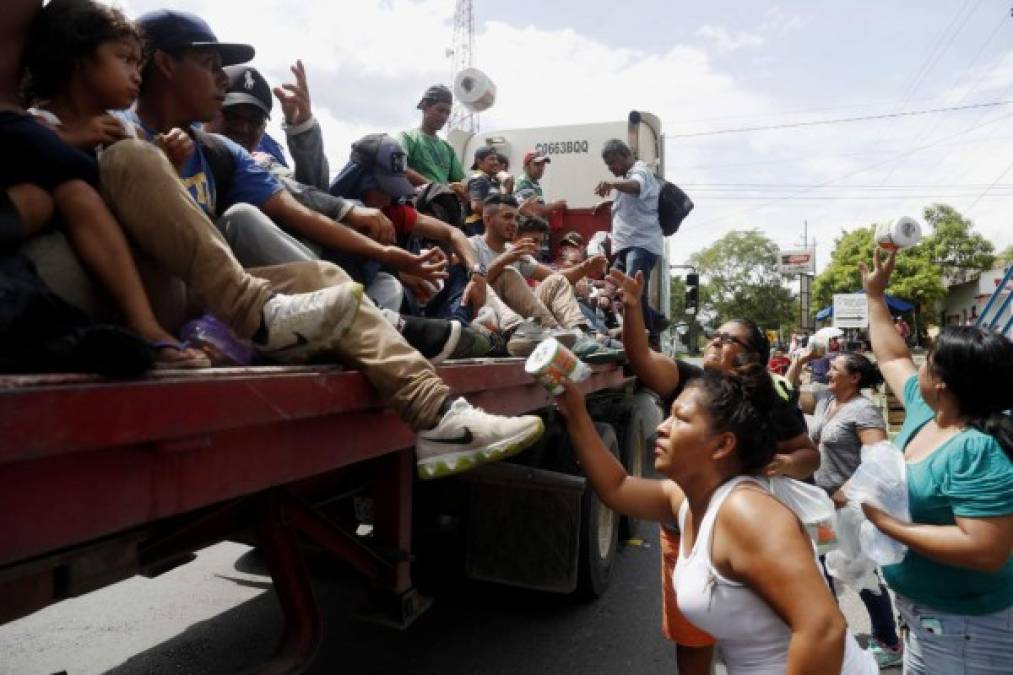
638,445
599,532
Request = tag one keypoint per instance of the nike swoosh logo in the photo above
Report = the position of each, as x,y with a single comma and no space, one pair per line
300,341
463,439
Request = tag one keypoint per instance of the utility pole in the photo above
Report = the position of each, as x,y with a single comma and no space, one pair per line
463,55
805,282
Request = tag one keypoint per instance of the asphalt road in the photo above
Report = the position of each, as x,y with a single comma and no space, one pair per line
216,615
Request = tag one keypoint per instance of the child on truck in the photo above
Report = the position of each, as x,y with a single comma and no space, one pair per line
83,59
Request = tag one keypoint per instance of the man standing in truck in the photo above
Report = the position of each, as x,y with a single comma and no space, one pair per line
430,158
637,239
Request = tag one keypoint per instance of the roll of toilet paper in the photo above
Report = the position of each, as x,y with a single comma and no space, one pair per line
900,233
474,90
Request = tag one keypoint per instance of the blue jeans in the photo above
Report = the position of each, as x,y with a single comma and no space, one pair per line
447,303
940,643
631,260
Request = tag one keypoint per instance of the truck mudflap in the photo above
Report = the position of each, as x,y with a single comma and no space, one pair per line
524,526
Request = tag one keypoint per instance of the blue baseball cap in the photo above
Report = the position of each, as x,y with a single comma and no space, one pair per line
170,30
383,156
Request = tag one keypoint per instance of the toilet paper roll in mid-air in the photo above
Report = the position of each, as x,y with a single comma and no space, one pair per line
474,90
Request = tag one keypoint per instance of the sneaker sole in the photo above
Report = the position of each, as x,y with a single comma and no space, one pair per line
449,465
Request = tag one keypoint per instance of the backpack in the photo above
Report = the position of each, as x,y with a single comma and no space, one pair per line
222,164
673,207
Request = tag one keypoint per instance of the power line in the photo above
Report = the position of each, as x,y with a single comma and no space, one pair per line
860,170
839,120
986,190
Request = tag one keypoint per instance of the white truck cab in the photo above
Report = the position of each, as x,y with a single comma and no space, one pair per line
575,169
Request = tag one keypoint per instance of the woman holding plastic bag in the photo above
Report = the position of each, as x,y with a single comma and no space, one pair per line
747,571
843,421
955,585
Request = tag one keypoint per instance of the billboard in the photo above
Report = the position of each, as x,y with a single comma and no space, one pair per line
797,261
851,310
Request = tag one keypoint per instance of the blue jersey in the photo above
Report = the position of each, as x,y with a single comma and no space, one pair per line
251,184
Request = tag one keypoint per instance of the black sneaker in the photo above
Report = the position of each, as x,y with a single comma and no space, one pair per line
438,339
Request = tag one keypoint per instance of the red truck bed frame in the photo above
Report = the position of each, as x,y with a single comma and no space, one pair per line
100,479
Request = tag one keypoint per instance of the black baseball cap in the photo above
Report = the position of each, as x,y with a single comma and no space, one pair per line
482,153
438,93
247,85
383,156
170,30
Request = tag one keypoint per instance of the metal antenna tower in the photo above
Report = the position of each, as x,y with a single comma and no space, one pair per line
463,54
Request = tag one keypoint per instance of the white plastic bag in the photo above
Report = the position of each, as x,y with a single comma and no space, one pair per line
812,506
848,563
881,481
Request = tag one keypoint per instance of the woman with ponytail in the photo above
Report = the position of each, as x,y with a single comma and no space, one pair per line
746,571
954,587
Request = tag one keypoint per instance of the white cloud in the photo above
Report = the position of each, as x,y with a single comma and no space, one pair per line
730,42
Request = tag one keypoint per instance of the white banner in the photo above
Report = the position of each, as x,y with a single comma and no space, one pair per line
797,261
851,310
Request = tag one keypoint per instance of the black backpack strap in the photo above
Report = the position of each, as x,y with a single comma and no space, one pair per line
223,166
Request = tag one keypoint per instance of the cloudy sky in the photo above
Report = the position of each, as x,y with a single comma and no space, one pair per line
702,67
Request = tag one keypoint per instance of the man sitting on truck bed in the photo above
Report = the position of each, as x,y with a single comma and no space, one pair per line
550,306
373,177
169,224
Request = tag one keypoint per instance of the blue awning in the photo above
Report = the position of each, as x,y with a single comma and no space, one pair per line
894,303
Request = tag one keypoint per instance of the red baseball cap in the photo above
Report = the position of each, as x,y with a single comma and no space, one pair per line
532,156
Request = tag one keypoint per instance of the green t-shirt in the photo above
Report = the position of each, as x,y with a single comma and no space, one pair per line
431,156
968,476
527,187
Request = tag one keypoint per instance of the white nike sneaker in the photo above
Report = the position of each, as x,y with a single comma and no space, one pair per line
303,325
468,436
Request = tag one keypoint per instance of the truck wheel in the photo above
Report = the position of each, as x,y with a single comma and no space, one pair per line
638,442
599,532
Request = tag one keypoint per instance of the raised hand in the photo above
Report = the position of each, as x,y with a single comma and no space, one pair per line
631,287
876,281
295,98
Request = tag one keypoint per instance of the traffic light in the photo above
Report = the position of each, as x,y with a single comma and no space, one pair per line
692,293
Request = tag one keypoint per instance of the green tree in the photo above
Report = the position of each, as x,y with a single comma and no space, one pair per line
740,278
953,246
1007,255
916,278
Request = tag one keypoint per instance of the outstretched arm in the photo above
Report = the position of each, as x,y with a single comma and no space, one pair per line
892,355
645,498
658,372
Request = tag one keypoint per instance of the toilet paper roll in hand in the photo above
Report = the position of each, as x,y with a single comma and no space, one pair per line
474,90
903,232
552,362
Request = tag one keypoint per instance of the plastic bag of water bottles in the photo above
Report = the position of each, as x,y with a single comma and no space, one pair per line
881,481
812,506
848,563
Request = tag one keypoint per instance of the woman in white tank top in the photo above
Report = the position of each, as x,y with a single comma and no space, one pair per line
747,571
